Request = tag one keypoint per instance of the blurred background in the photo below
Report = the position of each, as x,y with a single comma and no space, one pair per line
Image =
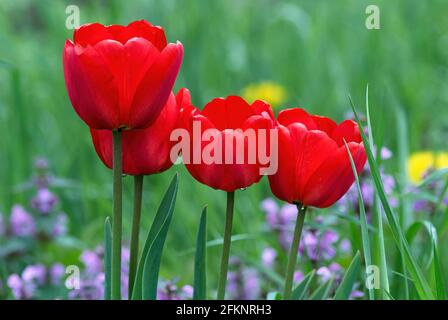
311,54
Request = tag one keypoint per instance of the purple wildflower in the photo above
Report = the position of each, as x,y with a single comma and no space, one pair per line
60,225
242,283
168,290
90,289
92,261
345,245
424,204
288,214
298,276
44,201
57,272
92,279
35,273
319,245
20,289
41,164
334,270
41,178
22,223
268,257
270,207
349,201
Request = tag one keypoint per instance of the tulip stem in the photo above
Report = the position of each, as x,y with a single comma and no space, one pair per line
138,188
226,246
117,216
292,260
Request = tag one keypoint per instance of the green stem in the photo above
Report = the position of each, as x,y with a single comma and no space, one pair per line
138,188
226,246
117,216
292,260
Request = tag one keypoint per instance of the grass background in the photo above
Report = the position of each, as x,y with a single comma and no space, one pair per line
320,51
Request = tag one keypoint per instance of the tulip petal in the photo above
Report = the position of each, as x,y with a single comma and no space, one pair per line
103,144
262,108
141,29
227,113
314,148
324,124
347,130
183,98
334,177
90,34
145,151
296,115
226,176
283,181
155,87
91,86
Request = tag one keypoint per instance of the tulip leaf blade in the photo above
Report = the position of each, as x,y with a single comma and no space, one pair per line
422,286
322,291
200,260
299,293
362,218
146,278
346,286
107,259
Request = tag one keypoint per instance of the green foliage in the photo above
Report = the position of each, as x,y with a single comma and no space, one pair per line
200,261
318,50
147,276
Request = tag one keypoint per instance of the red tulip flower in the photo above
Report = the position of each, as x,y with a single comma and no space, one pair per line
145,151
226,118
120,76
223,151
313,164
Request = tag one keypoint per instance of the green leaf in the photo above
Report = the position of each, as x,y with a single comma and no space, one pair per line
146,279
346,286
387,293
274,296
422,286
299,293
377,217
323,291
107,258
434,258
200,260
362,219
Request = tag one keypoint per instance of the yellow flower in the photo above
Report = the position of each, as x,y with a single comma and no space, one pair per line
271,92
420,162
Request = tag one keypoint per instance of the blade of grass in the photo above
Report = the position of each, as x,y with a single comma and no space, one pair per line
422,286
200,260
322,291
387,293
403,155
362,220
435,259
434,176
377,213
441,197
346,286
299,293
